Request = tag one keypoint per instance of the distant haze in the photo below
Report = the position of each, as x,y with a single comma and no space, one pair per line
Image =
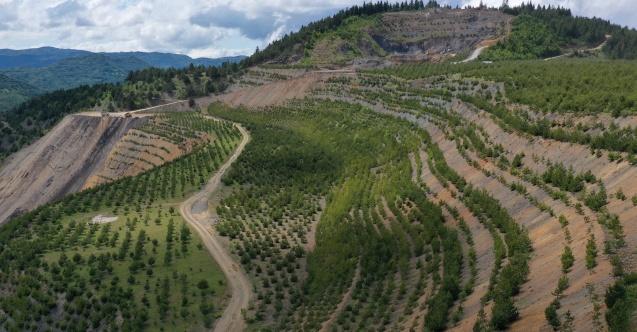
201,28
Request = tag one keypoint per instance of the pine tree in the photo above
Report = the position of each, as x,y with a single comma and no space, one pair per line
591,253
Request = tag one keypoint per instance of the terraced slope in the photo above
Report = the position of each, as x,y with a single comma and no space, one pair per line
84,151
543,221
119,256
60,163
152,144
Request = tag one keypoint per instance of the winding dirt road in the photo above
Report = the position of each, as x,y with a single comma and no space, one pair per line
231,319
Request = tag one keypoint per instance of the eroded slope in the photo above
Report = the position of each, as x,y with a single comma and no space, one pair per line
521,171
84,151
59,163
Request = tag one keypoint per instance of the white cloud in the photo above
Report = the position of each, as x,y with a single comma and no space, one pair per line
200,27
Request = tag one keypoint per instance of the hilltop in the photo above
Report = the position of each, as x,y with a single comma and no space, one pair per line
382,34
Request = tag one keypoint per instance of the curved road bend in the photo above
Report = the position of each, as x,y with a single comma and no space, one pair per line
231,319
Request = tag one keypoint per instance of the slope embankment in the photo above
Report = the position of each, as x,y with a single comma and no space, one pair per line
59,163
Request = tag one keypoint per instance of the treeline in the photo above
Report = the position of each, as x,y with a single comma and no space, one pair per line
571,30
579,30
622,45
293,43
31,119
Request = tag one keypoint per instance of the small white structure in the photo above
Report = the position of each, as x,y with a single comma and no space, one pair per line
100,219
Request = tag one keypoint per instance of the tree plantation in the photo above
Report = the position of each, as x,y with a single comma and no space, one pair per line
397,192
143,270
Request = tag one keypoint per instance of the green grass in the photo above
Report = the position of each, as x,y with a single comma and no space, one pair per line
196,264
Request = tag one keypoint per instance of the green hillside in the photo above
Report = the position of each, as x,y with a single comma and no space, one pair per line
72,72
14,92
419,195
148,266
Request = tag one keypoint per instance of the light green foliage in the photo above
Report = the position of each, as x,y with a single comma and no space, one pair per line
94,273
354,141
567,259
580,86
530,38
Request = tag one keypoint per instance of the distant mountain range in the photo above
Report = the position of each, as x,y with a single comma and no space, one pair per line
28,73
72,72
44,56
167,60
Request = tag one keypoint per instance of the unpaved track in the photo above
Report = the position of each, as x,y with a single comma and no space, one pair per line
474,55
123,114
231,319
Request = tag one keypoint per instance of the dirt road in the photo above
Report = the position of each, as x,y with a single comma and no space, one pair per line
123,114
597,48
474,55
231,319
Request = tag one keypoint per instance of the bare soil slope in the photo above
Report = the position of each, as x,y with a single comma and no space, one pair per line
281,91
59,163
438,31
413,36
83,151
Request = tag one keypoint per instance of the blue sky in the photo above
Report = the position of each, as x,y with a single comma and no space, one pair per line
201,28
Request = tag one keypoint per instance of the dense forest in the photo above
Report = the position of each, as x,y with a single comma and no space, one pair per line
530,38
14,92
72,72
555,27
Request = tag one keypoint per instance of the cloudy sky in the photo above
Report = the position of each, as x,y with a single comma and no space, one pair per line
201,28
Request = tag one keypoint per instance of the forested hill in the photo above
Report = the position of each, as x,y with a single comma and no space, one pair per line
45,56
13,92
28,73
83,70
549,30
291,47
541,32
36,57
